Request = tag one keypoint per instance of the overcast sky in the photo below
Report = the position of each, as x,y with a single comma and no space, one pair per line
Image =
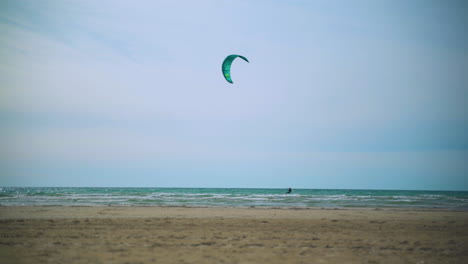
337,94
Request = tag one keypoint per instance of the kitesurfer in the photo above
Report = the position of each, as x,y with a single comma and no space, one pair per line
289,190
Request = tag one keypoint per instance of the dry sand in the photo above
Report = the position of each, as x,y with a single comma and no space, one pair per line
58,234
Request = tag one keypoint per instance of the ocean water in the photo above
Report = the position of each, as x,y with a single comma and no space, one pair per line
232,197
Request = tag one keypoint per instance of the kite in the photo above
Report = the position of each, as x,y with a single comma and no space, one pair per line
226,68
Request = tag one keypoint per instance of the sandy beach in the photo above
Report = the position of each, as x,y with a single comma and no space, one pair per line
57,234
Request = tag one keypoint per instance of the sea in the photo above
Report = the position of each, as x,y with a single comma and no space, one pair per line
231,197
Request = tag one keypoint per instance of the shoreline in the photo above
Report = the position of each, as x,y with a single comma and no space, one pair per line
297,208
168,234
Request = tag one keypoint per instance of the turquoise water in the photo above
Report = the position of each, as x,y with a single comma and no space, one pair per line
233,197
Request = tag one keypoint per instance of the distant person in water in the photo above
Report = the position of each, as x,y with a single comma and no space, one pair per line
289,190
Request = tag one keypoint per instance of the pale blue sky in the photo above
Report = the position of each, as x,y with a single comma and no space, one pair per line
337,94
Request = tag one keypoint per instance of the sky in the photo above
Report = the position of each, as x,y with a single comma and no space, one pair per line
337,94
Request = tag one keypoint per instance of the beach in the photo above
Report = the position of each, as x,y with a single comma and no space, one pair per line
158,234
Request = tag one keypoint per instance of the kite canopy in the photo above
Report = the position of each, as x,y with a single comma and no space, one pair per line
226,68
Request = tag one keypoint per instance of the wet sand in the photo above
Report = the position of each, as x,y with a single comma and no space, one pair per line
55,234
